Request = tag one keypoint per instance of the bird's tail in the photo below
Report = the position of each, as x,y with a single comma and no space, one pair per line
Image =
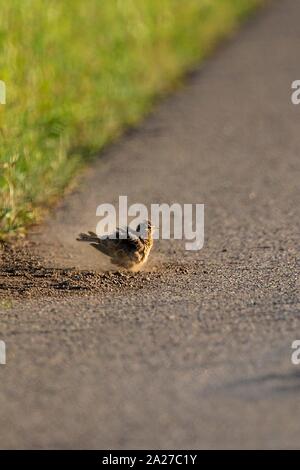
89,237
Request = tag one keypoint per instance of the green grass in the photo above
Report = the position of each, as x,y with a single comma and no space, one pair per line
78,72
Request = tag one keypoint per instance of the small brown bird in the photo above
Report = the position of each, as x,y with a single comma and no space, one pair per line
127,248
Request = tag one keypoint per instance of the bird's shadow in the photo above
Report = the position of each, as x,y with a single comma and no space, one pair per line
24,274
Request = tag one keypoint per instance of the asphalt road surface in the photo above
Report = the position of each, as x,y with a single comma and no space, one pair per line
198,355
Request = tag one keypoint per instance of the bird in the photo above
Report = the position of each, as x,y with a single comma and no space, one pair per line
126,248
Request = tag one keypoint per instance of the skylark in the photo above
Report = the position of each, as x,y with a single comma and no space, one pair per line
126,248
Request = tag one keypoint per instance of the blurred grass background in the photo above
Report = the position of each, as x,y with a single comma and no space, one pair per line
78,72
